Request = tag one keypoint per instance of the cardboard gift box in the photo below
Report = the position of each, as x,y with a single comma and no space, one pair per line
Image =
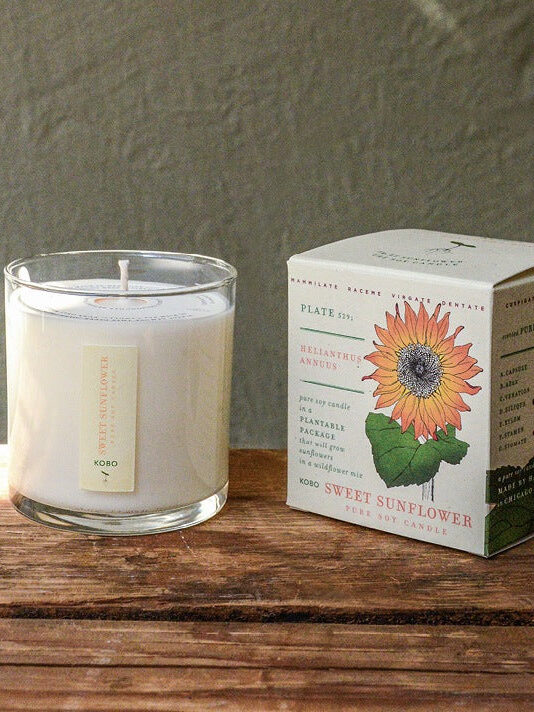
411,409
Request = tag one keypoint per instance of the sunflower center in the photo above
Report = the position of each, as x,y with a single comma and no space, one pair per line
419,370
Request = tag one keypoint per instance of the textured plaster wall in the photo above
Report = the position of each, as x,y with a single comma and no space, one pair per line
252,130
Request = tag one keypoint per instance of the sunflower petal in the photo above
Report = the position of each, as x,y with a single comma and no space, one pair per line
432,332
385,349
427,418
387,388
401,327
447,345
397,410
408,413
470,372
460,386
435,410
452,398
387,399
456,355
422,321
390,320
386,338
452,416
443,326
410,319
419,426
382,360
388,378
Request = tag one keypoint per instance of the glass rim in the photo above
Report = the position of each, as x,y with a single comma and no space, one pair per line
229,279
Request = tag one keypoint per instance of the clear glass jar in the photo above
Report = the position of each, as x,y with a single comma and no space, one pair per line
119,375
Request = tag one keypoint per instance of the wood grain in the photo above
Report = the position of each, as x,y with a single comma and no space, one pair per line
142,689
498,650
258,560
250,611
113,665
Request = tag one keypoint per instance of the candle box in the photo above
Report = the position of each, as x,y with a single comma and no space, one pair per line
411,402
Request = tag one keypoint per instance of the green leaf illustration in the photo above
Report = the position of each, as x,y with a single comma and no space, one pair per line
401,460
509,521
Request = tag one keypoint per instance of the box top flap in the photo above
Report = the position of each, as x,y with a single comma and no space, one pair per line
482,260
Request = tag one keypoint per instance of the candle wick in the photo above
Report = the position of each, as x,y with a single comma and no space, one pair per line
123,267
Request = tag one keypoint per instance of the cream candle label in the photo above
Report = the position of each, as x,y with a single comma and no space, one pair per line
108,418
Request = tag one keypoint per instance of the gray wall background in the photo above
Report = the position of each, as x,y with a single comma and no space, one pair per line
251,130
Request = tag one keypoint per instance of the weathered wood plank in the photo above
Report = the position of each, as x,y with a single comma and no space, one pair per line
115,665
258,560
149,688
499,650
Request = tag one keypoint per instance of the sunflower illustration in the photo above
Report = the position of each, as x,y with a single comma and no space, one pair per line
421,371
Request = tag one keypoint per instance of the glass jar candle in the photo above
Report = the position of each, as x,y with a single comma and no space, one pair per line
119,374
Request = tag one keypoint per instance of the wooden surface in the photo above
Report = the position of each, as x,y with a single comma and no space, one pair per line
262,607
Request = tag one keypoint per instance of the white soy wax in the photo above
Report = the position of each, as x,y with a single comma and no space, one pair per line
182,347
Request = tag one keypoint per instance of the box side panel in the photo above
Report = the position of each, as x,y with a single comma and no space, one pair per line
348,458
510,478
